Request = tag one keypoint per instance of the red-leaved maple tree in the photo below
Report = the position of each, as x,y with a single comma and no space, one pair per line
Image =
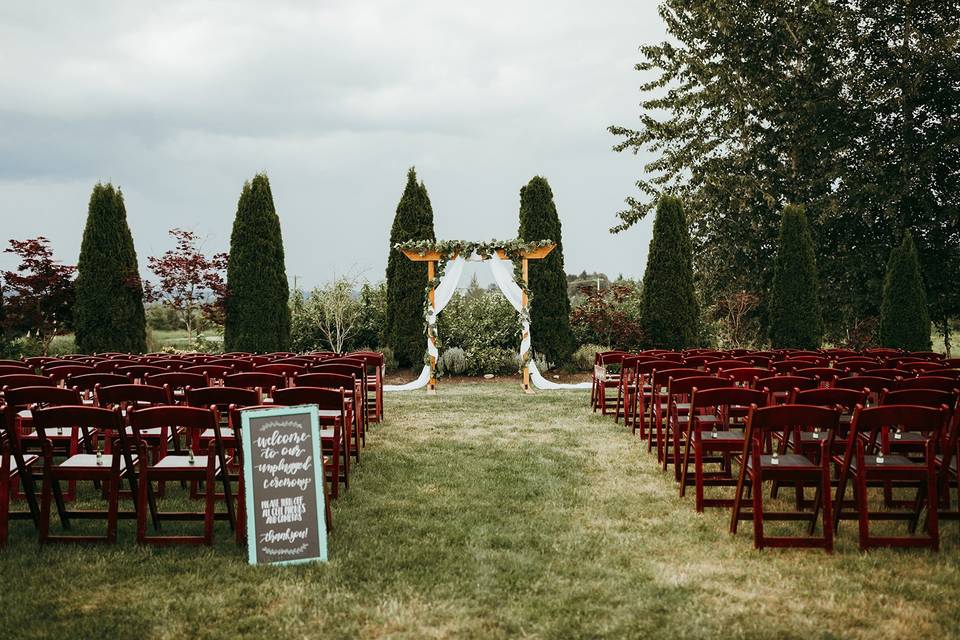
190,283
39,295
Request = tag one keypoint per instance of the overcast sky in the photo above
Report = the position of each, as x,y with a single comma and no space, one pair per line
179,102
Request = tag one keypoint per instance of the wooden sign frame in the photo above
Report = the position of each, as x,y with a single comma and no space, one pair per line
253,511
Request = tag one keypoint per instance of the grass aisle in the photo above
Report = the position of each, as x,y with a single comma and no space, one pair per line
484,513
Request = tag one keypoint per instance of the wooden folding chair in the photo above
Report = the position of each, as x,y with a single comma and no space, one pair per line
757,467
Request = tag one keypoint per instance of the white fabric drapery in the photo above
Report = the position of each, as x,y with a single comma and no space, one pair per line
502,271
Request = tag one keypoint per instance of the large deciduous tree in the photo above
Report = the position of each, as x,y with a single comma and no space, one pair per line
257,315
668,304
904,319
848,106
407,280
108,314
794,307
40,293
549,303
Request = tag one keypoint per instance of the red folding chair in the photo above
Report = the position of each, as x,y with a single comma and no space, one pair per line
715,441
679,415
867,462
757,467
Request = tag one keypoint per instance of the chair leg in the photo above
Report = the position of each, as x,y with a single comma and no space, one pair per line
211,497
45,492
863,515
755,482
113,487
142,495
933,524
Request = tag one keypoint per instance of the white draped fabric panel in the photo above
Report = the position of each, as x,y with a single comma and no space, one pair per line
502,271
441,297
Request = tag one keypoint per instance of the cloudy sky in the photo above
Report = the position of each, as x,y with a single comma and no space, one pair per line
179,102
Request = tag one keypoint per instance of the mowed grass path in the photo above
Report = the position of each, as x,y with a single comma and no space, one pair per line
481,512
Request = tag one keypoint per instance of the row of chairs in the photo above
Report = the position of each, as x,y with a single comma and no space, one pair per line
145,435
740,427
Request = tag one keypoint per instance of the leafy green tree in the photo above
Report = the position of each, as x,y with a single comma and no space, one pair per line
407,280
668,304
904,318
108,312
549,303
257,316
795,318
848,107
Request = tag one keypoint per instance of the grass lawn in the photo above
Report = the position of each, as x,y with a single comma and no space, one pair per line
481,512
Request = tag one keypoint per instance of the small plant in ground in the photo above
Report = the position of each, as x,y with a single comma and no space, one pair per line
493,360
39,295
453,361
190,283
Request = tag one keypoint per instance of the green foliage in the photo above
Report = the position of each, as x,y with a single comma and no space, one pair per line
162,317
498,361
848,107
668,305
108,312
584,355
904,319
794,306
549,303
453,361
609,316
257,312
372,317
479,319
333,318
406,280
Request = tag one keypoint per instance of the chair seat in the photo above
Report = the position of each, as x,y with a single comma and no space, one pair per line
787,461
27,461
888,461
89,461
210,434
153,432
708,419
183,462
808,437
907,436
728,436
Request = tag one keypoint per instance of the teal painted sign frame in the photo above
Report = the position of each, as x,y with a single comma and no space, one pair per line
249,492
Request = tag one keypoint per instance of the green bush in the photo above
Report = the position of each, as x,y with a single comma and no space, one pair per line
477,320
794,305
452,362
904,316
495,360
583,356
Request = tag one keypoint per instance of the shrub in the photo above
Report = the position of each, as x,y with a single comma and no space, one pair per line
389,360
609,316
794,306
904,316
481,319
669,312
257,311
549,304
493,360
406,280
108,312
452,362
583,357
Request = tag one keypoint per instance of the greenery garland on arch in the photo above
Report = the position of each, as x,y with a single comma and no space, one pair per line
514,250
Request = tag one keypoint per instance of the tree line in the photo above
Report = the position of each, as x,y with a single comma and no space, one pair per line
850,108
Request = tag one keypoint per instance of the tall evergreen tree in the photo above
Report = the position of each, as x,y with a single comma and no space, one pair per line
407,280
257,312
108,312
794,305
668,303
904,316
549,305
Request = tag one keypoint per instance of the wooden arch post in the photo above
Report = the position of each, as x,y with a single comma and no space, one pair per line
433,257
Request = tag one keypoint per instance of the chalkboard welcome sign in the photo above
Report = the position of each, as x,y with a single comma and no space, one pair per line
283,472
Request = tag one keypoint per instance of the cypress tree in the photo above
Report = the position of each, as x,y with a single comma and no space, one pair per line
668,304
550,304
795,316
904,317
257,315
108,312
406,280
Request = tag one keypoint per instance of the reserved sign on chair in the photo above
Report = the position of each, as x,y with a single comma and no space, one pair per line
284,494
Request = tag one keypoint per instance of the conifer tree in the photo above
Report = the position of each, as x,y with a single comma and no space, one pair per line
549,304
108,312
904,316
257,313
668,304
407,280
794,307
